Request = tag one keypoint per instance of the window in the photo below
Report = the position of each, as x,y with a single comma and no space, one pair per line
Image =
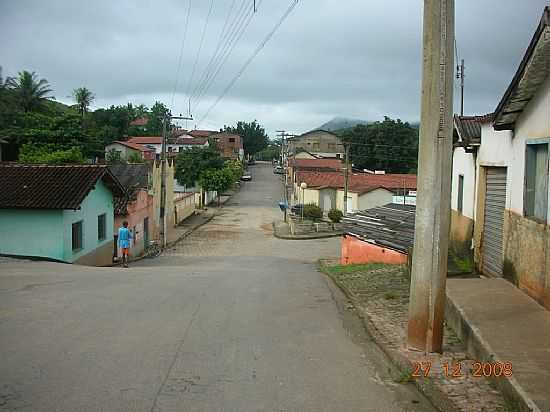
231,140
536,181
460,193
77,236
101,227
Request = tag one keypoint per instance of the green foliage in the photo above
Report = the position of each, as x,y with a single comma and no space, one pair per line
335,215
83,98
236,168
272,151
114,157
217,180
29,91
312,211
158,112
191,163
135,157
253,135
390,145
49,154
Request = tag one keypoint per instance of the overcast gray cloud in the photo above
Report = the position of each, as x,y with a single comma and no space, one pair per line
354,58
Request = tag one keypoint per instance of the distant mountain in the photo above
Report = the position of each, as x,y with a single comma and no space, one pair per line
341,123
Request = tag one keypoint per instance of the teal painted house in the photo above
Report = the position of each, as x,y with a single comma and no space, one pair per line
64,213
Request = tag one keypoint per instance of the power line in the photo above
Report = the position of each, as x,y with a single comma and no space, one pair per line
181,55
251,58
223,36
234,39
200,46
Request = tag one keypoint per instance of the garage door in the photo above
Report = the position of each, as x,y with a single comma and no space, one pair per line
495,200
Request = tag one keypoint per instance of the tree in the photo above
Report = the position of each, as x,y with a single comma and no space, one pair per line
49,154
217,180
253,135
158,112
236,168
29,91
83,98
135,157
192,162
390,145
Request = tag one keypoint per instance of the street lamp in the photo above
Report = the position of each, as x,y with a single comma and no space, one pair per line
303,186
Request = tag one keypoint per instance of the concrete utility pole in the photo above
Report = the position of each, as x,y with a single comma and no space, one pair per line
346,179
283,134
165,121
431,240
460,74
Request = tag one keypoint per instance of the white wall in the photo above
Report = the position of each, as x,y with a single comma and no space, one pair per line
378,197
497,150
534,123
464,164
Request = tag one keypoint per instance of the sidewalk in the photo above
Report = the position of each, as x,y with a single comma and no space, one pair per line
498,322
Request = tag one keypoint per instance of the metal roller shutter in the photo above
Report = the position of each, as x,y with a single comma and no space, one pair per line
495,201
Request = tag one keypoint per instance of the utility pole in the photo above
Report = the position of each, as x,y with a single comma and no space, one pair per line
165,121
460,74
346,178
431,239
283,134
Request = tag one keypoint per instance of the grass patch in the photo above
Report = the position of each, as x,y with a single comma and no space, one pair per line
349,269
404,376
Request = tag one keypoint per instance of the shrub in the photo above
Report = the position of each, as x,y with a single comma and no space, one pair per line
335,215
50,154
312,211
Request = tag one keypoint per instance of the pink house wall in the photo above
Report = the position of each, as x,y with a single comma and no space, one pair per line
355,251
138,210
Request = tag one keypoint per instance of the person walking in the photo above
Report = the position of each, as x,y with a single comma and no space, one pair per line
124,237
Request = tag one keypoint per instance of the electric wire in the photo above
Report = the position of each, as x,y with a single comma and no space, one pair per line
233,41
200,46
182,47
251,58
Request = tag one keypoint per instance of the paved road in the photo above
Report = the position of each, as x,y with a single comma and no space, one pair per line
231,319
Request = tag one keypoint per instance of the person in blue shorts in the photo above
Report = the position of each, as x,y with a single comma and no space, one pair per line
124,237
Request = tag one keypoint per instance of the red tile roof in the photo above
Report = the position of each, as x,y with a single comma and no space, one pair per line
52,187
142,121
202,133
134,146
302,164
192,141
146,139
358,182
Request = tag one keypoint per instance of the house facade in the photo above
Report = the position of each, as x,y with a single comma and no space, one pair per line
229,145
127,149
365,191
501,185
317,142
69,210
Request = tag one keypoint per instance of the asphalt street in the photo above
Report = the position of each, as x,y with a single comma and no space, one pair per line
229,319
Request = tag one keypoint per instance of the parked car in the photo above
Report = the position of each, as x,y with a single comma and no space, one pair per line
246,177
252,162
279,170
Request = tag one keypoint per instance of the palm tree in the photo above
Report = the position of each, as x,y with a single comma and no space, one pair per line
29,90
83,98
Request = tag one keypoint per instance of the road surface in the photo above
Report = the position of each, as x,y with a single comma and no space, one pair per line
231,319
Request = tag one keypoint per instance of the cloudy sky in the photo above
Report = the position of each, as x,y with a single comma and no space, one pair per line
353,58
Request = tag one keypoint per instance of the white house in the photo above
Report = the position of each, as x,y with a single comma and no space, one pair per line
172,146
500,194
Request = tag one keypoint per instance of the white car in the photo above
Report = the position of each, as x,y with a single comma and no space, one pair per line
246,177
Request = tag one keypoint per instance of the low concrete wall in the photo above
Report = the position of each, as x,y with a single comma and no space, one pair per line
355,251
527,256
462,232
184,206
102,256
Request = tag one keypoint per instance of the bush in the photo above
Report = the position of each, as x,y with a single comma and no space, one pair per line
313,212
50,154
335,215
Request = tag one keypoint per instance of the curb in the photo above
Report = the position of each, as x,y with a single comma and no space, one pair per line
304,237
509,387
425,385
